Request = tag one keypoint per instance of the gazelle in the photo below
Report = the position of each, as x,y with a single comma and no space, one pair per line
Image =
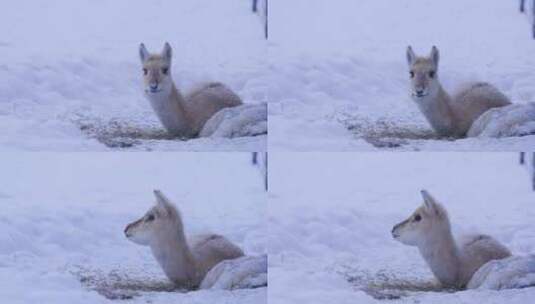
449,115
181,115
185,262
453,264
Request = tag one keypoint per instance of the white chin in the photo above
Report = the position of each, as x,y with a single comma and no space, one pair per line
406,242
137,240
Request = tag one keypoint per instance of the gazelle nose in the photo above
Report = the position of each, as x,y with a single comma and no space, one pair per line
394,230
420,91
154,86
126,230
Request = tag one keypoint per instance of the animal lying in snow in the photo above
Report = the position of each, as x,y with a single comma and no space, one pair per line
198,112
186,262
452,263
449,115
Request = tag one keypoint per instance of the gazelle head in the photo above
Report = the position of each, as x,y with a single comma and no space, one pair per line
161,219
423,73
423,224
156,69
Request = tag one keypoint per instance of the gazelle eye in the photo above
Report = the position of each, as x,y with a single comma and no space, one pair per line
417,218
149,218
432,74
165,70
412,74
145,71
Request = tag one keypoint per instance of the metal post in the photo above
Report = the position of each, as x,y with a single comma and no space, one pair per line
522,3
266,32
533,171
255,6
266,175
533,17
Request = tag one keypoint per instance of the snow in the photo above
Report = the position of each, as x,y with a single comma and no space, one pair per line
529,10
71,76
63,216
513,272
239,121
339,79
331,216
512,120
243,272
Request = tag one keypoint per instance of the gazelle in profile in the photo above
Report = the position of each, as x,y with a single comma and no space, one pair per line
185,262
453,264
182,115
449,115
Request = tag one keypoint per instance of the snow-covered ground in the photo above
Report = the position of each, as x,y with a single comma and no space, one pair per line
331,215
63,217
339,78
70,76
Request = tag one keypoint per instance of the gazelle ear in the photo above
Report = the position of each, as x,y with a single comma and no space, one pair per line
430,204
410,55
167,52
435,55
143,53
162,201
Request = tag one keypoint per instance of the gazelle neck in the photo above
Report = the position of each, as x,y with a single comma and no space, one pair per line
172,252
171,111
442,256
438,111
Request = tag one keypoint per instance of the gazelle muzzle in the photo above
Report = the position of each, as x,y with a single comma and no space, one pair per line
127,231
395,228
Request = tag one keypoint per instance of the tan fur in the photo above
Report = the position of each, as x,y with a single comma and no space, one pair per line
185,262
449,115
181,115
453,264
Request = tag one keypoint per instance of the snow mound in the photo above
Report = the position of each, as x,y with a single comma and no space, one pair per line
512,272
243,272
240,121
511,120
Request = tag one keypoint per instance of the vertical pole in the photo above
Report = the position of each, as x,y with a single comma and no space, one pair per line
266,175
522,2
266,32
255,6
533,171
522,157
533,17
